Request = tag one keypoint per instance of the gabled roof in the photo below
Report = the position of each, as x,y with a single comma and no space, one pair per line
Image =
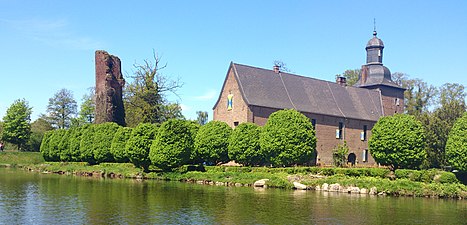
265,88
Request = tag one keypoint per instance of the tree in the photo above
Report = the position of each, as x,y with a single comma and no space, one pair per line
172,146
144,97
45,147
418,96
38,129
54,145
351,76
87,110
61,109
244,145
438,124
118,144
456,146
202,117
16,123
398,141
339,154
212,141
139,144
103,136
86,143
282,66
288,138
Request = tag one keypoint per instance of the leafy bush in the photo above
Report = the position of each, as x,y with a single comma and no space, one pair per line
339,154
447,178
456,146
139,144
244,145
172,146
64,147
195,158
117,149
103,136
54,142
211,142
288,138
86,145
45,147
398,141
75,140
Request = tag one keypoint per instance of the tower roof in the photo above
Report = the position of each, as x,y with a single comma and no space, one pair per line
375,41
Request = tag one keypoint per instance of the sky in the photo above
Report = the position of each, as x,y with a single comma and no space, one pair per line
49,45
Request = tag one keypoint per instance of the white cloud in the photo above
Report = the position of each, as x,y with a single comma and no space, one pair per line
54,33
209,95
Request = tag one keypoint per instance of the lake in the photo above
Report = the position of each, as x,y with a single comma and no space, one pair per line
33,198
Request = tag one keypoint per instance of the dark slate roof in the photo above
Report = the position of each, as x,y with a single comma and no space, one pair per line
377,75
262,87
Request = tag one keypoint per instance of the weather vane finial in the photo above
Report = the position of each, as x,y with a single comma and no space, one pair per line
374,27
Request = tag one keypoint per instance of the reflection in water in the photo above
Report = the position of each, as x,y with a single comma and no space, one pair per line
30,198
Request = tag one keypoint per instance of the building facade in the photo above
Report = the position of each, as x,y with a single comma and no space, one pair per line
339,113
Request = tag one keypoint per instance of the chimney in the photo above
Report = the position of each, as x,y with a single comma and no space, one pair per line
276,68
364,74
342,81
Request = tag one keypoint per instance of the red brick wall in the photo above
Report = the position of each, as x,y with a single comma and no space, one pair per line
240,111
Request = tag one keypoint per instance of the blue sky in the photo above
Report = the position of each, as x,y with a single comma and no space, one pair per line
49,45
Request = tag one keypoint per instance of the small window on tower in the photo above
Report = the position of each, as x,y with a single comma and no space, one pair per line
397,101
313,121
235,123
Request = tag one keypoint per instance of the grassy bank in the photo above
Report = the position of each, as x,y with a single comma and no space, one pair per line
425,183
15,159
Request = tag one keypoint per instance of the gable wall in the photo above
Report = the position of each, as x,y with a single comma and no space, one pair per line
240,111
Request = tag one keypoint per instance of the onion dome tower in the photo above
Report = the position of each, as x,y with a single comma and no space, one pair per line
375,75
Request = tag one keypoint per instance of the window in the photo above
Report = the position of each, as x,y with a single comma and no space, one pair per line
339,131
313,121
365,155
235,123
363,135
396,101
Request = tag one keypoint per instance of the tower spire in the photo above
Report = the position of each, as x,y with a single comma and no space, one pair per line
374,27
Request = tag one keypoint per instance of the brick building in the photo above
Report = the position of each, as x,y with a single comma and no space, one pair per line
338,112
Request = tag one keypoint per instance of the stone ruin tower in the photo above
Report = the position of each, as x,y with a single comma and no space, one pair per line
109,84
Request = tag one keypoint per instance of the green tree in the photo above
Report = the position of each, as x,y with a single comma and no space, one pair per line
212,141
456,146
16,123
86,144
75,141
398,141
339,154
244,145
173,145
54,145
288,138
118,144
61,109
144,97
38,129
351,76
202,117
103,136
139,144
418,96
87,109
45,147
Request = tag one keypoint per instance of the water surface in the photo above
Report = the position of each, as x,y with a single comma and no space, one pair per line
33,198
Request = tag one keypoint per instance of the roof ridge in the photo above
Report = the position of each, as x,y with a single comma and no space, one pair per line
297,75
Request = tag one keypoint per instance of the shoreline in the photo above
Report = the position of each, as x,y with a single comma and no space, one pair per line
298,178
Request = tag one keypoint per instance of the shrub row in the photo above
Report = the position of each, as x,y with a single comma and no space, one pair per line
286,139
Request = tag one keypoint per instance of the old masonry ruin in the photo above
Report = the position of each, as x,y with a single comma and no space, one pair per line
109,85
